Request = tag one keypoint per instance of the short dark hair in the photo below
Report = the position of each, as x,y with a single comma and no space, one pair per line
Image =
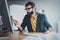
30,3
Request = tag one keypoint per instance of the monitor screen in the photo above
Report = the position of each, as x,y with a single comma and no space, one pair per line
5,18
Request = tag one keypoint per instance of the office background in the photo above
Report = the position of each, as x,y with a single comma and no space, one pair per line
51,8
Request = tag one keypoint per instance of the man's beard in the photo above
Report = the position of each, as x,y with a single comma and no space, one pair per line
30,13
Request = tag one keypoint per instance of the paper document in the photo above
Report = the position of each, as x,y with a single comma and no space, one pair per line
49,36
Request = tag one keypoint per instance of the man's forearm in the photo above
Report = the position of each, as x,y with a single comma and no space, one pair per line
20,28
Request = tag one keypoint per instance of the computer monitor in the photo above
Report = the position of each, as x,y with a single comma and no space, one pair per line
5,18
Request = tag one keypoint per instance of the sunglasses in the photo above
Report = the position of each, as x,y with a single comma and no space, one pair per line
28,8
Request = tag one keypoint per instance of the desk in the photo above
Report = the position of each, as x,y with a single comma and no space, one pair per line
15,36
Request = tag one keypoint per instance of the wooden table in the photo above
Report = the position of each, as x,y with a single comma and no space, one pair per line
16,35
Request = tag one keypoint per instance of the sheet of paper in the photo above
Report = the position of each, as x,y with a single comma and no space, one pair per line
49,36
35,36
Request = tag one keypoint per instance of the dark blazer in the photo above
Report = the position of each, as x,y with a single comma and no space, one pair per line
42,23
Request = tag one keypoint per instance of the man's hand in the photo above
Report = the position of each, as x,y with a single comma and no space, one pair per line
48,31
16,23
